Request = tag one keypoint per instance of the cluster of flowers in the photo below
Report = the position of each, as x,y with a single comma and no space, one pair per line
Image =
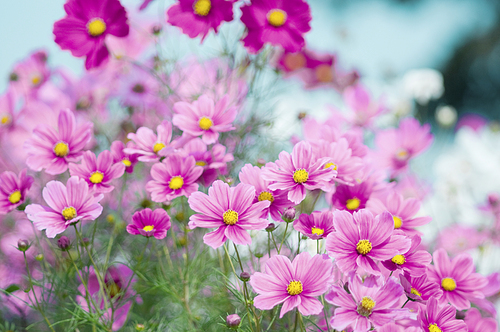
162,162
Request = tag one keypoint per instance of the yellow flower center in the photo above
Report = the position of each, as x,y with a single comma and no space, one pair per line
61,149
148,228
205,123
5,119
15,197
294,288
434,328
448,284
328,165
366,306
317,231
69,213
363,247
398,259
402,154
201,163
96,177
397,222
36,79
300,176
324,73
158,146
415,292
202,7
176,182
230,217
113,288
276,17
266,196
294,61
352,203
126,162
96,27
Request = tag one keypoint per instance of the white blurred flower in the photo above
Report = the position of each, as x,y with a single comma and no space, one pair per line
423,85
446,116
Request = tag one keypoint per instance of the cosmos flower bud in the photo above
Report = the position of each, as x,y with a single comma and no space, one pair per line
23,245
245,276
233,321
63,243
271,227
289,214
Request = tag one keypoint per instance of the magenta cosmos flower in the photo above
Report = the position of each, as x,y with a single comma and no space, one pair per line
67,205
360,240
419,288
151,147
297,172
230,209
119,155
438,318
315,226
98,172
197,17
279,202
402,210
13,190
295,284
174,177
87,24
53,150
476,323
352,198
413,261
204,117
150,223
457,279
277,22
366,304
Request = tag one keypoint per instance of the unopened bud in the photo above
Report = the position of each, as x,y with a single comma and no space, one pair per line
139,327
289,214
245,276
39,257
271,227
233,321
63,243
259,255
261,162
301,115
493,199
23,245
156,29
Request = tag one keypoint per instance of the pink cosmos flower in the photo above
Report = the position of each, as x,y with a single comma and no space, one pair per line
402,210
138,88
457,279
366,304
98,172
279,202
149,146
458,238
84,29
230,209
476,323
150,223
360,240
13,190
174,177
440,318
393,327
197,17
491,292
7,111
352,198
204,118
413,261
397,146
315,226
295,284
298,171
53,150
67,205
419,288
30,74
118,154
364,109
277,22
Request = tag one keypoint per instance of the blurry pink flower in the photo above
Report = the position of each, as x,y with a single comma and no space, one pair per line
491,293
7,112
150,223
13,190
118,154
84,29
315,226
54,150
295,284
475,122
30,74
364,109
476,323
151,147
204,117
277,22
197,17
138,88
458,238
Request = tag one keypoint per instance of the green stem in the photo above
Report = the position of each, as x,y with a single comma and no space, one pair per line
238,255
325,312
408,299
284,236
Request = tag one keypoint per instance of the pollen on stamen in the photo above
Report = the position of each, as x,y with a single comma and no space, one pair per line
300,176
96,27
294,288
176,182
352,203
317,231
5,120
266,196
363,247
402,154
201,163
148,228
36,80
205,123
61,149
448,284
366,306
126,162
397,222
415,292
15,197
96,177
202,7
69,213
434,328
328,165
158,147
398,259
230,217
276,17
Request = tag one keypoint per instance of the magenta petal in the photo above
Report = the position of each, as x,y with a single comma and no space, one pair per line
216,238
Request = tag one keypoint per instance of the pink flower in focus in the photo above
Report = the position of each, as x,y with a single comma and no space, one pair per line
298,171
67,205
204,117
118,154
413,261
278,198
352,198
230,210
419,288
315,226
197,17
277,22
98,172
13,190
53,150
440,318
84,29
174,177
151,147
360,241
150,223
295,284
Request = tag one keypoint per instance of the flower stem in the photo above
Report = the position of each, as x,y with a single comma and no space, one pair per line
283,240
408,299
